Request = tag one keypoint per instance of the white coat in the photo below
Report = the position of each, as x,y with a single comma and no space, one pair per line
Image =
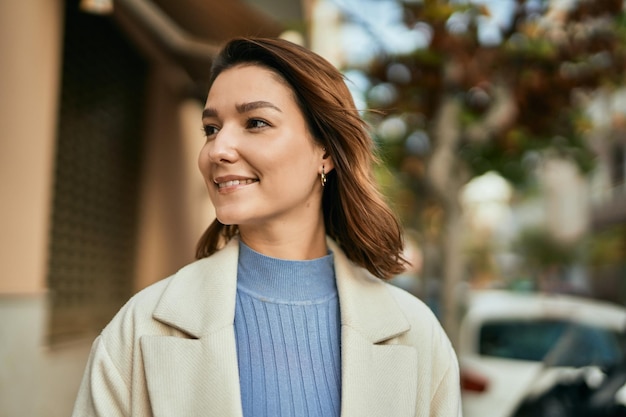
170,351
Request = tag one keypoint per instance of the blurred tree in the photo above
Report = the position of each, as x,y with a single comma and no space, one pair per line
466,103
544,255
608,246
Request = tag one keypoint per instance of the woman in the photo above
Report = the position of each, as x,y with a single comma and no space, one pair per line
286,312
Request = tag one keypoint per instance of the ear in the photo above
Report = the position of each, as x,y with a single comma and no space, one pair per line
327,161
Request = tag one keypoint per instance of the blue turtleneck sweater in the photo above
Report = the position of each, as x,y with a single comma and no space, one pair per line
287,327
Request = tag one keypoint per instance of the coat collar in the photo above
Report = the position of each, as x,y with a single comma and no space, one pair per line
366,306
378,379
200,301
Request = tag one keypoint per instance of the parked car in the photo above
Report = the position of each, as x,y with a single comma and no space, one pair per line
575,383
505,336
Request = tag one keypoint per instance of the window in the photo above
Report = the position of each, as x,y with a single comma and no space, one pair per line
98,155
566,343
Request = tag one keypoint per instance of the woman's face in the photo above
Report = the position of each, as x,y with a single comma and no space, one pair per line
260,162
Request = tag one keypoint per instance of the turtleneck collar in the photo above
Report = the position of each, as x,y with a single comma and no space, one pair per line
287,281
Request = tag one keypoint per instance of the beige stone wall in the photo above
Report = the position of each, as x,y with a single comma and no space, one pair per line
36,379
30,44
174,208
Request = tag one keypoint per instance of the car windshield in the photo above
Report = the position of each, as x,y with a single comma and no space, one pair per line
569,344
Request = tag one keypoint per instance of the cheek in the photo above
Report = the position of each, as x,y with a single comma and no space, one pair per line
297,172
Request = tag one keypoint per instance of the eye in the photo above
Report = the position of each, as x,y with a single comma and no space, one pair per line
256,124
209,130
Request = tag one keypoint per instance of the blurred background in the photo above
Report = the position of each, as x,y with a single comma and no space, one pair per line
501,127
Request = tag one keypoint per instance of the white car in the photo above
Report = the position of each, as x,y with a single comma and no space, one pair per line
504,337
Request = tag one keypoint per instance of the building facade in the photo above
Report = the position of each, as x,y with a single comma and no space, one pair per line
101,195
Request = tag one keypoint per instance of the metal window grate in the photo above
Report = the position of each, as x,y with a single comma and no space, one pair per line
92,245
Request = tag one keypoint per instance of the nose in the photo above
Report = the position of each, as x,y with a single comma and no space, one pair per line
223,148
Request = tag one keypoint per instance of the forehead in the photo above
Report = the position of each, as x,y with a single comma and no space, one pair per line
250,77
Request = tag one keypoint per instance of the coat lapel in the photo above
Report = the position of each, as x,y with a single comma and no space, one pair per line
192,377
199,376
196,376
379,376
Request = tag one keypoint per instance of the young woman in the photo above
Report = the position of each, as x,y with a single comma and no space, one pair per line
286,312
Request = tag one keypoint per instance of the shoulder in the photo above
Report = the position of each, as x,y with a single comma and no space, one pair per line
201,276
430,339
413,307
426,330
179,302
142,303
136,316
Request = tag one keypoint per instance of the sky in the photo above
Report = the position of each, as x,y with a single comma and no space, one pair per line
376,25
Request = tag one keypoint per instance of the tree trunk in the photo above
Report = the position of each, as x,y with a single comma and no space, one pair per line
453,269
447,176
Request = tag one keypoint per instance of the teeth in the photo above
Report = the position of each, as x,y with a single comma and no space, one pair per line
234,182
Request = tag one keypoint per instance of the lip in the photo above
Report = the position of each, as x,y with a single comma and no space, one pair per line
231,182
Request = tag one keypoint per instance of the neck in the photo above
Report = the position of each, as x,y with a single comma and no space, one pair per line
301,242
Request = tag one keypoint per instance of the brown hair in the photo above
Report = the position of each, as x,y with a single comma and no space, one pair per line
355,213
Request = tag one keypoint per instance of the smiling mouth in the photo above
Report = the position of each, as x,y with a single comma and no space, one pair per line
235,182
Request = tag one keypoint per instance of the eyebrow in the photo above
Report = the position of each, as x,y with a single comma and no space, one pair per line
243,108
246,107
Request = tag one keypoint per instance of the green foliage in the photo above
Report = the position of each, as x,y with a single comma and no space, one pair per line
541,250
527,48
541,64
608,247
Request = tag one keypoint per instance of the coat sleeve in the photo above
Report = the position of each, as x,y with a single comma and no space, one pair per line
446,401
439,379
103,391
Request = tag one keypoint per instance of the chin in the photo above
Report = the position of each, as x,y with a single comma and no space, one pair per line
228,218
239,216
227,221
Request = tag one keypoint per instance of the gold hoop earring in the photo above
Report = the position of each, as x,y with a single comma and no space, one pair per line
323,177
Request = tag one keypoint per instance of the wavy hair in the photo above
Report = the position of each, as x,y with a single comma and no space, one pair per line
355,213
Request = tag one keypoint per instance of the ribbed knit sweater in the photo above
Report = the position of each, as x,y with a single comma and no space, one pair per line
287,327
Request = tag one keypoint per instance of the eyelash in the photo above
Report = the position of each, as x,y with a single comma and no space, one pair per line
207,130
210,130
250,124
